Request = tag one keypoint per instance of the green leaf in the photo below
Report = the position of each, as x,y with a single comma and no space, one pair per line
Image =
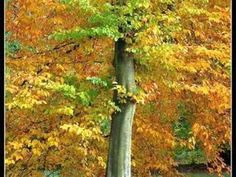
84,98
97,81
105,126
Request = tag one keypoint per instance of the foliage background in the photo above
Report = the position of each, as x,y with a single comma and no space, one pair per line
59,76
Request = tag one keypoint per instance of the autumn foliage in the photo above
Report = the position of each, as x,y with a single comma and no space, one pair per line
59,91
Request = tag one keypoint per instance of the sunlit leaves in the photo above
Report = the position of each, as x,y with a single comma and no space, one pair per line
24,100
66,110
83,132
59,96
84,98
79,33
83,4
123,95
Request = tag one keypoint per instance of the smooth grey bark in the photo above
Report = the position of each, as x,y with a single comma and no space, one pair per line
119,157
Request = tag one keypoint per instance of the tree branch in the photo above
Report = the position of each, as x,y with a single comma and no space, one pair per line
75,46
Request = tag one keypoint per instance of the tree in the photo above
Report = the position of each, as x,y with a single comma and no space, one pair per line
119,160
182,73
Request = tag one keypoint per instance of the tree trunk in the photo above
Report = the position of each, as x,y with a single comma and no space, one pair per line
119,157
